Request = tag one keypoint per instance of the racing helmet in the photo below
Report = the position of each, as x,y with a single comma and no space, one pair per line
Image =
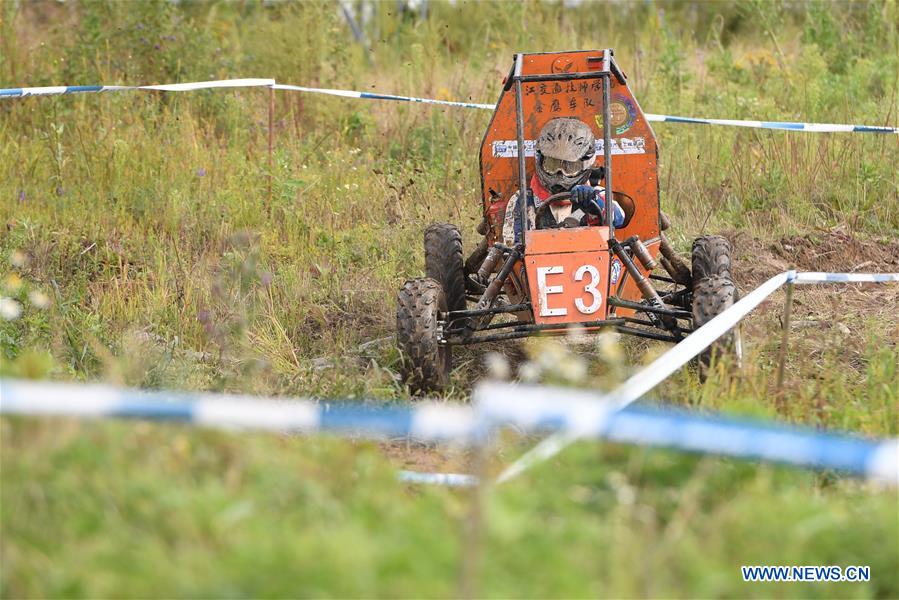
565,151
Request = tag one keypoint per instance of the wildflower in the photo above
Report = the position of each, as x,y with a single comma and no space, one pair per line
201,172
13,282
21,195
18,259
530,372
9,308
497,366
266,279
39,299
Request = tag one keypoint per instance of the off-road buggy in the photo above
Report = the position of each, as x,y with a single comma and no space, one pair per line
588,278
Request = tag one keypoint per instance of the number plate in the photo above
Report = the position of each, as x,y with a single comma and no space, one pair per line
570,287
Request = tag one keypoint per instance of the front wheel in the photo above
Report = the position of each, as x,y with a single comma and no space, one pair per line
426,363
712,296
711,256
443,262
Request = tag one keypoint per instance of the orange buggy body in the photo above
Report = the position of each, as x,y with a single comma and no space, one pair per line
569,271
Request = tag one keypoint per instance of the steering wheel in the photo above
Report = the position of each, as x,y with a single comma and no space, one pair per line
554,199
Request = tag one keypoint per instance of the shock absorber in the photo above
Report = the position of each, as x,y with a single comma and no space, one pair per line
671,262
648,292
642,253
489,265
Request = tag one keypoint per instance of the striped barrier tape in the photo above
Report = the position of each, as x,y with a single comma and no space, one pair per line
427,422
376,96
167,87
526,408
230,83
444,479
636,386
583,415
781,125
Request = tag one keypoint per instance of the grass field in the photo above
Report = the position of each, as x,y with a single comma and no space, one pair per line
139,239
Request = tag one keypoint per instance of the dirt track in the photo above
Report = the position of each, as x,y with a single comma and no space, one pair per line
833,251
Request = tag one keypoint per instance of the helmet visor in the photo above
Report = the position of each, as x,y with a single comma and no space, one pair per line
569,168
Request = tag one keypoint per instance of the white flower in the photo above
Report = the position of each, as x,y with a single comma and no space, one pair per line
9,308
497,366
530,372
38,298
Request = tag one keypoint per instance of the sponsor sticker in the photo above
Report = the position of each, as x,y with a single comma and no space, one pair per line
624,113
622,145
616,270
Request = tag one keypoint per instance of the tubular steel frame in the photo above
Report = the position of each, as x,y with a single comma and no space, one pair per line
461,326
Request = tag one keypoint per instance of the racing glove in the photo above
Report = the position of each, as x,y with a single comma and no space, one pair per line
592,202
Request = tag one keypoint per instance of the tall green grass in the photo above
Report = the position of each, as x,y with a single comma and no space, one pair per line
145,219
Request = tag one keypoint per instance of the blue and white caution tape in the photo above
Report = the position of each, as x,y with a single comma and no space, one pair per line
167,87
584,415
230,83
526,408
445,479
663,367
427,422
781,125
813,277
376,96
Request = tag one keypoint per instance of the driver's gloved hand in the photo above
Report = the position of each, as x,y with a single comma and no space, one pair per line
591,202
584,198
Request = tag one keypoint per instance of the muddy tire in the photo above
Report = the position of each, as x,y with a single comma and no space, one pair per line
712,296
711,256
426,364
443,262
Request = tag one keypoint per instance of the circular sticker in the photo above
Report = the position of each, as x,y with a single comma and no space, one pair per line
563,64
623,113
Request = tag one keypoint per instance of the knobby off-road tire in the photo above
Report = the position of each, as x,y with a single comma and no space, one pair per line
711,256
426,364
443,262
712,296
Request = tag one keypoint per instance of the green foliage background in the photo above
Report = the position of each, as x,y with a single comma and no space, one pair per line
145,219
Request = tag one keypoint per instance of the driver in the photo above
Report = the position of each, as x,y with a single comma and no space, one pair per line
565,151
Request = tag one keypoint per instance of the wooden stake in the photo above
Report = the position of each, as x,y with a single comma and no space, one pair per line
474,525
784,340
271,142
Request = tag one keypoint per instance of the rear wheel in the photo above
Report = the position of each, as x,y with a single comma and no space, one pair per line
426,363
712,296
443,262
711,256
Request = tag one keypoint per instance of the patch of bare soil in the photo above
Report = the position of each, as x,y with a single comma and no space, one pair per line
831,251
843,309
426,458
